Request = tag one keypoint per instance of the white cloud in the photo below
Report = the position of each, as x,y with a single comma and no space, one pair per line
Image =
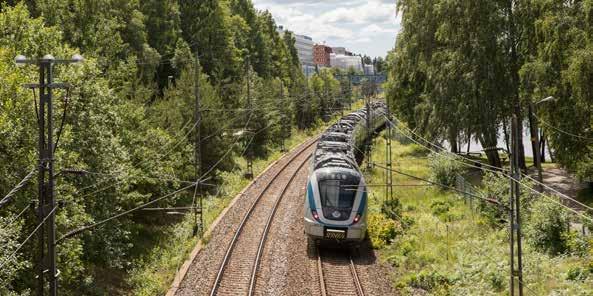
364,26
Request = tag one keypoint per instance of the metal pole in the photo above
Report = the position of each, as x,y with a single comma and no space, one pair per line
51,244
512,212
249,173
41,181
197,146
283,117
369,135
515,207
388,150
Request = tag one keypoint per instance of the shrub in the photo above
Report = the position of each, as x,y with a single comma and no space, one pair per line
444,169
547,227
428,280
382,230
577,274
391,208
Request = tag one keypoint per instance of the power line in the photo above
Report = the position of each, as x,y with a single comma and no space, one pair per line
84,228
557,129
8,197
455,158
28,237
490,200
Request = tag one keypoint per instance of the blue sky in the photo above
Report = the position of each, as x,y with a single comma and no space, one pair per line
366,27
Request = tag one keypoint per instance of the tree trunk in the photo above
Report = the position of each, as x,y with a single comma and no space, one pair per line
514,67
505,130
469,142
532,132
453,140
543,147
488,140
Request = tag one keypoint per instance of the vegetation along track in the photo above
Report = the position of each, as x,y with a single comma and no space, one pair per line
237,272
337,274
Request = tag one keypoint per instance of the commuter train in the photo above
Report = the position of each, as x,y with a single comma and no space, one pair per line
336,197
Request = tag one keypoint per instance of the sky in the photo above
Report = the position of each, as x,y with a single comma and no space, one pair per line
363,27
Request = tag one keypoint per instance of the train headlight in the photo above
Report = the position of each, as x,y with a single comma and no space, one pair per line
356,218
315,215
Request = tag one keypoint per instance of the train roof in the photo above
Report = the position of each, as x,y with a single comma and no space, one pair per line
335,148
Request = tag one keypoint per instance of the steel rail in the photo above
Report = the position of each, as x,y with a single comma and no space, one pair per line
231,246
262,242
353,273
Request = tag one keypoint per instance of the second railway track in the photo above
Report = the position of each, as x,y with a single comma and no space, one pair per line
238,271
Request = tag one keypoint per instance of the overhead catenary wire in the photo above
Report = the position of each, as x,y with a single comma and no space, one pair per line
8,197
90,226
559,130
28,237
455,157
490,200
87,227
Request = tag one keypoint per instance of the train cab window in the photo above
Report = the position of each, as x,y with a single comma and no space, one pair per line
336,194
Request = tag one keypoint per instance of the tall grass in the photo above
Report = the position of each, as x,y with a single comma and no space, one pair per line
450,249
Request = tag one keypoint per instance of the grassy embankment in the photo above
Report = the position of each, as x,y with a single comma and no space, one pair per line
443,247
158,269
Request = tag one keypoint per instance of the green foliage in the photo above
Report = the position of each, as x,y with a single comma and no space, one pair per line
382,230
130,121
444,168
547,227
428,280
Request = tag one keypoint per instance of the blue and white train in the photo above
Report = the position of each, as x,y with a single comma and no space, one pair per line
336,198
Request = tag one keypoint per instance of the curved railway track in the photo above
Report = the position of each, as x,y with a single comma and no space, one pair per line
337,274
237,273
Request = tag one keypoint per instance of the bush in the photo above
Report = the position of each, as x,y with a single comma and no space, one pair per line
428,280
382,230
444,168
391,209
577,274
547,227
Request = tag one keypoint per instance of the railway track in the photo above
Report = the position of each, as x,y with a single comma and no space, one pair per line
337,274
237,273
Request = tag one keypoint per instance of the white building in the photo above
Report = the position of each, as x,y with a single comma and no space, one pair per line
369,70
345,62
304,46
339,50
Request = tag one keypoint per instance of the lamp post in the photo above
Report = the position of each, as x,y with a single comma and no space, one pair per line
46,177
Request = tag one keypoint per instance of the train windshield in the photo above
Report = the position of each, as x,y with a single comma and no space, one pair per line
337,193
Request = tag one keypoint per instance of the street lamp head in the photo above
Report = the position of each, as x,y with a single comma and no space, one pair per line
48,57
77,58
550,98
20,60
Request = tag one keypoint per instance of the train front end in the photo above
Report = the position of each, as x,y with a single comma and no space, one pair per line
336,206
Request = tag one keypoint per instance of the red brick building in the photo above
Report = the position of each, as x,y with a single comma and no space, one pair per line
321,55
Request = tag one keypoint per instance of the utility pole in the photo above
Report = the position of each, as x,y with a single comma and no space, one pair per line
388,166
369,134
198,228
46,182
514,214
351,92
283,118
249,173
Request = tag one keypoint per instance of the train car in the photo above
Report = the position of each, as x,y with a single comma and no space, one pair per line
336,198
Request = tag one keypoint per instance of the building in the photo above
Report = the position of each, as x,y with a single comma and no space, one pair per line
345,62
321,55
369,70
339,50
304,46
